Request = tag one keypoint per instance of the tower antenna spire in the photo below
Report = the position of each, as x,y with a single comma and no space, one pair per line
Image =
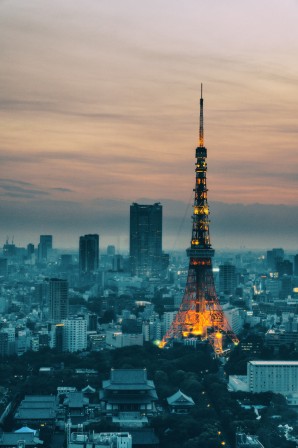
201,137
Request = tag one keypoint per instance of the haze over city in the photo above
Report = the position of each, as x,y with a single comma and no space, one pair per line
100,108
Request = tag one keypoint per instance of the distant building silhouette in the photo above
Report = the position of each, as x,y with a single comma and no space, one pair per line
146,239
66,261
296,265
30,249
111,250
9,249
3,267
58,297
284,267
89,253
274,256
117,263
45,245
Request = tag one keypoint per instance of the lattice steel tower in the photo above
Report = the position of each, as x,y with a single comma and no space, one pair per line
200,314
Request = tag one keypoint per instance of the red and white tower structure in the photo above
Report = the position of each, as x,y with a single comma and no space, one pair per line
200,314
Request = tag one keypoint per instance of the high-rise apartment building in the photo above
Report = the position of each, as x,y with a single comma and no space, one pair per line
45,245
74,334
89,253
58,298
146,239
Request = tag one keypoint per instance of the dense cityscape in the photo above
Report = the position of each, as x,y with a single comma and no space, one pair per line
71,322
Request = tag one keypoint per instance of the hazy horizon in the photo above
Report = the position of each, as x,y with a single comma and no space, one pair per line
99,105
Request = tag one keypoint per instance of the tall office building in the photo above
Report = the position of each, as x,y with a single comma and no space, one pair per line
45,245
58,296
146,239
273,256
89,253
227,278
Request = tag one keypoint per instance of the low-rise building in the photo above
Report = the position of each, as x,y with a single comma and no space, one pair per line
128,391
247,441
24,437
117,339
179,403
76,404
104,440
37,410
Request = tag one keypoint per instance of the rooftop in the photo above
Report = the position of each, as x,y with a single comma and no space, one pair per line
274,363
76,400
43,398
11,439
35,414
128,379
179,398
128,376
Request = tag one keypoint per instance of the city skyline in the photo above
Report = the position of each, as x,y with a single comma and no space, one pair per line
100,102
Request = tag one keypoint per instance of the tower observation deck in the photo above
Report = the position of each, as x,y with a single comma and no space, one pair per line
200,313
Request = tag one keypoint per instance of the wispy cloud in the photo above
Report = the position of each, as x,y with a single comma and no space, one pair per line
18,189
21,192
63,190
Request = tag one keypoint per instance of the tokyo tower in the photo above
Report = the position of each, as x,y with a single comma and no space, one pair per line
200,313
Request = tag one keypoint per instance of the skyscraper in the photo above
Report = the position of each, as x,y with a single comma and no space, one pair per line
146,239
58,295
45,244
89,253
227,278
273,256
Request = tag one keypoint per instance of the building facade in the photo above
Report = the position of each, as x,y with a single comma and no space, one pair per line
227,278
146,239
58,298
89,253
280,377
45,245
74,334
128,390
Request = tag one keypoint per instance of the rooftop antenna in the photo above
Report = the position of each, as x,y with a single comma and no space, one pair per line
201,138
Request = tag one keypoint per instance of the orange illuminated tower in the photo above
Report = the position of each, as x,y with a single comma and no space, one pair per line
200,314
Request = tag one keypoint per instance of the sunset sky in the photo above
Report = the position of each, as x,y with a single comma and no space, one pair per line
99,105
